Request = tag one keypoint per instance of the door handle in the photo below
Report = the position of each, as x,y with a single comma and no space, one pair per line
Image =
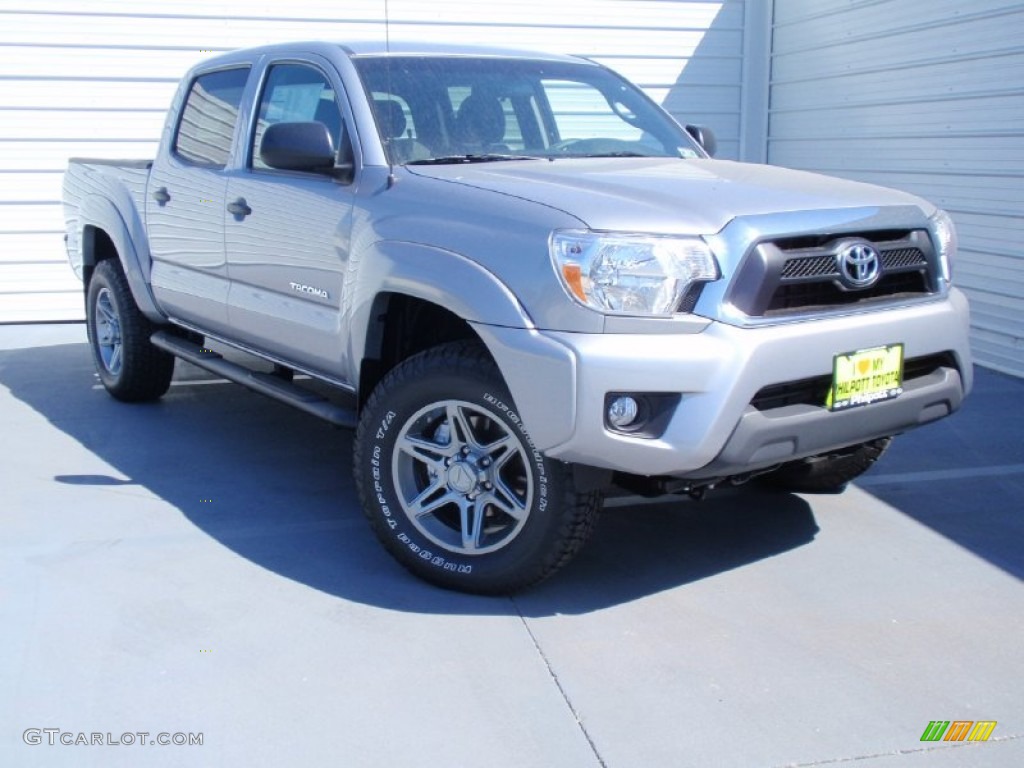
162,196
239,207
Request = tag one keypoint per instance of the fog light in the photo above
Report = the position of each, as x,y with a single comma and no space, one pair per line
622,411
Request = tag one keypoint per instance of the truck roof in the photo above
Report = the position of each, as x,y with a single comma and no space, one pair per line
357,48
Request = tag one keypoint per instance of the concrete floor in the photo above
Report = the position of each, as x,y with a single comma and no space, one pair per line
201,566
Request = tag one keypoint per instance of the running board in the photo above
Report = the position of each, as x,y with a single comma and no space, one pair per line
264,383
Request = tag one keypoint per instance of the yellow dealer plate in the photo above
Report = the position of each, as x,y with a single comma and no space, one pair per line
866,376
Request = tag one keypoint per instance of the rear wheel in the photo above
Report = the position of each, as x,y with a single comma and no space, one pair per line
129,366
452,483
829,473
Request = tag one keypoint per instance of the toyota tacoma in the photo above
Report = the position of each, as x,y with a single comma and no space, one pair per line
521,282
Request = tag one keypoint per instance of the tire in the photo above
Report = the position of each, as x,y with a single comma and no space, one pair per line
452,484
130,367
829,473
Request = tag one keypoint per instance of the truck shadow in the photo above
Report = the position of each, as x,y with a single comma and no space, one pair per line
964,476
274,486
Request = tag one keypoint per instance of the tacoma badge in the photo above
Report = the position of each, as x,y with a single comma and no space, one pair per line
320,292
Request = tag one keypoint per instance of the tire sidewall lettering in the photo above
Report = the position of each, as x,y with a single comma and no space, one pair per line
378,488
536,456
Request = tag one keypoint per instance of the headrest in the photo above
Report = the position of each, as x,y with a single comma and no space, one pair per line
390,118
481,119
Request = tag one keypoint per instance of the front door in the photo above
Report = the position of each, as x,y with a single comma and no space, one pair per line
287,233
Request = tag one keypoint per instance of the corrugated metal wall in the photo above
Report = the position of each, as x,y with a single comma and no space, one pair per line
926,96
93,78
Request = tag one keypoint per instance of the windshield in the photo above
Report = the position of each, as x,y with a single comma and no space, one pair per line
445,109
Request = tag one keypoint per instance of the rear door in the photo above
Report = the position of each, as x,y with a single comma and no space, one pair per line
287,241
185,201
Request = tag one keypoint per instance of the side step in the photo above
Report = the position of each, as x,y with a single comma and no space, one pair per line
264,383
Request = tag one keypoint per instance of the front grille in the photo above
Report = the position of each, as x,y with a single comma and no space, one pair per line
814,391
815,266
801,274
822,295
904,258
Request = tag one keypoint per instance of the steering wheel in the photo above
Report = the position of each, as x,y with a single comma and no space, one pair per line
594,146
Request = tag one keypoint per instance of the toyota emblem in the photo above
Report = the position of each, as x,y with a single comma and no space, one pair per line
859,264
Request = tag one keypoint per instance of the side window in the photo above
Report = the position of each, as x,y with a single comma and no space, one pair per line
208,118
295,93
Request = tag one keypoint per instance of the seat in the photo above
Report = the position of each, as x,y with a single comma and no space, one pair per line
327,112
390,119
392,125
480,123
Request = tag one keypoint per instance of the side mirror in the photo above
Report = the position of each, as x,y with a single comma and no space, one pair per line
703,136
298,147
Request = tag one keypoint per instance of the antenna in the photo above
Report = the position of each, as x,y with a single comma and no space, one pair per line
387,60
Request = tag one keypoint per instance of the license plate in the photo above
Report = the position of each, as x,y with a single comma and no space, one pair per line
866,376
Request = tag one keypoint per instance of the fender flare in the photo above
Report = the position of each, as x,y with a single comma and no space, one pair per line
428,273
98,212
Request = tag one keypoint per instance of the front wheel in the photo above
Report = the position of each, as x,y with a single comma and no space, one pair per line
452,483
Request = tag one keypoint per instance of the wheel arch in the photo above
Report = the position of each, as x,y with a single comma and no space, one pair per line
423,297
105,235
402,325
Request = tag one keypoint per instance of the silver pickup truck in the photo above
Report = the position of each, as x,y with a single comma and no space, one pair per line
522,283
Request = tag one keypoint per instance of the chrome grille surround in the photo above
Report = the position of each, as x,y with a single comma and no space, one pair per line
789,276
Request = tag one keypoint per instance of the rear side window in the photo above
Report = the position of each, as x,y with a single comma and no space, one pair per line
208,118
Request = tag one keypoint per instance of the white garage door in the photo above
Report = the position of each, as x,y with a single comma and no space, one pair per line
926,96
93,78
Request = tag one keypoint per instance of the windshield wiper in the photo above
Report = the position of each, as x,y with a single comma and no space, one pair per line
610,154
456,159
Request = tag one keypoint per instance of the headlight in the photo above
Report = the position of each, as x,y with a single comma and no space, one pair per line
947,242
628,273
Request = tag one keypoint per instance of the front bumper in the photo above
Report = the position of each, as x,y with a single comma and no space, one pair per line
559,382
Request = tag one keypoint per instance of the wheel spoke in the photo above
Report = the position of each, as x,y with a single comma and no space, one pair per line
420,506
508,502
471,515
501,450
106,311
115,359
462,432
426,452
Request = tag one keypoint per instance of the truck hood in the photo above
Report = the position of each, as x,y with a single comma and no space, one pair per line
666,195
